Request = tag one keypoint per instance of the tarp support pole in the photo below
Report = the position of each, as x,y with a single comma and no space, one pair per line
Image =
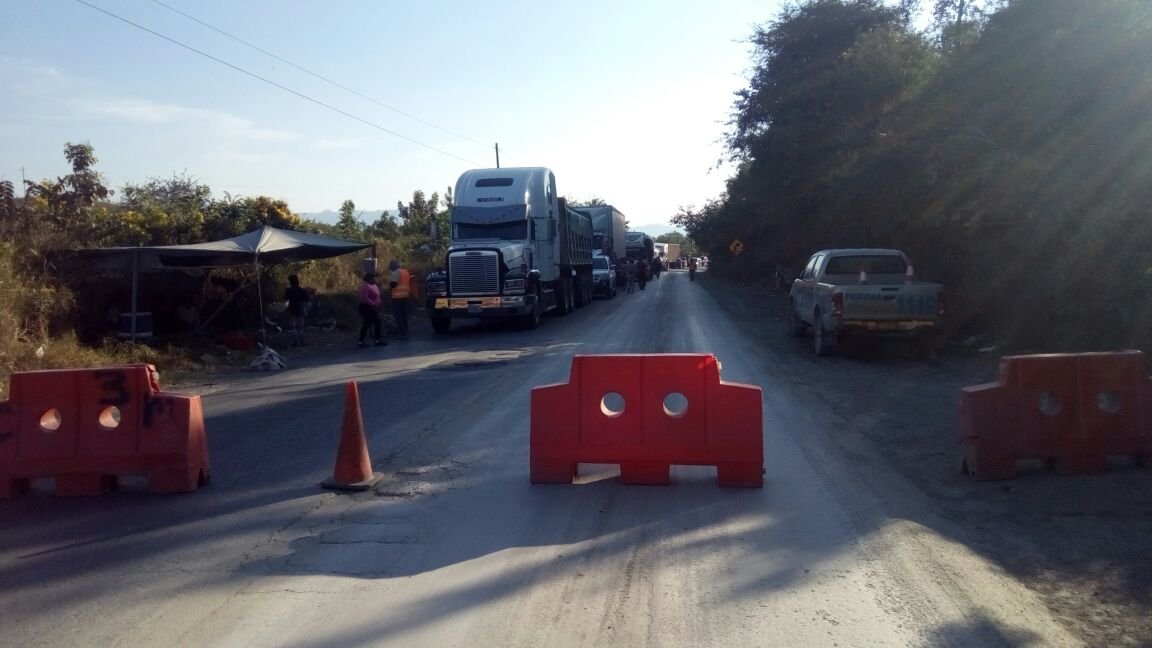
135,289
260,300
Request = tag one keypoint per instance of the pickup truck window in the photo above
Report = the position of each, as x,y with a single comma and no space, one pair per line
810,269
872,264
599,263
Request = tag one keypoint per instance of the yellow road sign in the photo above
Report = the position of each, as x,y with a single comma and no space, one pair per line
736,247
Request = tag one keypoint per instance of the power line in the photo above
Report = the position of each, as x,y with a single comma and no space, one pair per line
316,74
273,83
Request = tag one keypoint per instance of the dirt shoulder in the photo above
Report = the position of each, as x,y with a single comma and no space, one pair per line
1083,543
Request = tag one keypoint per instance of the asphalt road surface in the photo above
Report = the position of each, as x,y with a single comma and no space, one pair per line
456,548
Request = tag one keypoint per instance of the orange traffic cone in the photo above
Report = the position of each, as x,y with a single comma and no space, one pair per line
353,469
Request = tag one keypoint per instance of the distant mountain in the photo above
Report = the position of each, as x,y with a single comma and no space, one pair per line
330,216
654,230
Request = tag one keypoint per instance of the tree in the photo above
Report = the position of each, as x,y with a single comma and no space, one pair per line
590,202
161,211
384,227
9,212
419,214
957,23
233,216
829,77
69,204
348,225
687,245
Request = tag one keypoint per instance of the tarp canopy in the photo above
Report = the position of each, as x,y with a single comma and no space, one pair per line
267,245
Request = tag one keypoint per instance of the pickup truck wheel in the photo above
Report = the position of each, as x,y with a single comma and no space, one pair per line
796,326
823,342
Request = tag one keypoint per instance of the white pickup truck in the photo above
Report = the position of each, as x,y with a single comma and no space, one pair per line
863,292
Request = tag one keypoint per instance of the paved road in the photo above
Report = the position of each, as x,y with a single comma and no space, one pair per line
456,548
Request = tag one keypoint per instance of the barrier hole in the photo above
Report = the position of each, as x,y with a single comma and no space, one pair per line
612,405
1108,401
1050,404
675,404
110,417
50,420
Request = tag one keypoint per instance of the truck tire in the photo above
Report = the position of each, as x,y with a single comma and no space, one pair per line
796,325
564,296
578,292
823,342
441,324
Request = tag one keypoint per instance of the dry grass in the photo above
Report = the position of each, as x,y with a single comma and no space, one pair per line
35,329
31,308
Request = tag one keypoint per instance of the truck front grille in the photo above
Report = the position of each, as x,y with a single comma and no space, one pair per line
474,273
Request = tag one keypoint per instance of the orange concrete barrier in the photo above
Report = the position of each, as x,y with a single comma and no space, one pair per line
646,413
1074,410
86,427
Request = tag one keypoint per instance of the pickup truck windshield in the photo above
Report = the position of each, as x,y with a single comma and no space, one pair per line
872,264
600,263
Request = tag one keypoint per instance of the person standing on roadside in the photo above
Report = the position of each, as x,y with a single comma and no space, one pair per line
298,300
400,282
370,311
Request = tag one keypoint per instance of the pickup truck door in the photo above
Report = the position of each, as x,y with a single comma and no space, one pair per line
804,289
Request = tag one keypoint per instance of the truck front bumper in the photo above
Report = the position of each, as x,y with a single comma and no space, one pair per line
480,307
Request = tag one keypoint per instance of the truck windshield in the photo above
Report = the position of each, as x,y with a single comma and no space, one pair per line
515,231
872,264
600,263
505,222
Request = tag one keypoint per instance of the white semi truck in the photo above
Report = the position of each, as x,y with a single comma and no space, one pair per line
517,251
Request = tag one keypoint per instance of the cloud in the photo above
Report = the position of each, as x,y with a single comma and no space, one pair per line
26,78
151,112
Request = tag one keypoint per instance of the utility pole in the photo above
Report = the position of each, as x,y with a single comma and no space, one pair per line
497,155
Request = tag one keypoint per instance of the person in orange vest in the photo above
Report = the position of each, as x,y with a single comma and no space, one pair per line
401,284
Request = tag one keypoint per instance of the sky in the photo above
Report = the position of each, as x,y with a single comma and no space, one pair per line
625,100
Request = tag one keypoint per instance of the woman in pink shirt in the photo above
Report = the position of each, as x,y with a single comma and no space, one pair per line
370,311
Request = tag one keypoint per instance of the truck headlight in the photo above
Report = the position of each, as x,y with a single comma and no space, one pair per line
437,288
513,286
